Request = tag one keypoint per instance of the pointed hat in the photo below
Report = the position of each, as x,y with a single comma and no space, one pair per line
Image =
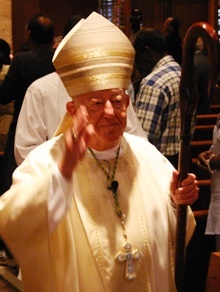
95,55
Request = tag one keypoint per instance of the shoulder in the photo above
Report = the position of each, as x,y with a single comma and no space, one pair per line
167,64
47,80
49,87
22,56
162,76
142,147
148,156
47,152
21,60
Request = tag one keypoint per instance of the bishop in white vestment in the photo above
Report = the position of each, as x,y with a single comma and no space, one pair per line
94,208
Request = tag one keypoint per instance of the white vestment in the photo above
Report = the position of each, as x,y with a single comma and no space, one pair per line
79,254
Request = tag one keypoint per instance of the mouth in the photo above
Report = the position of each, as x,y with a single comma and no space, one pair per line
114,124
111,126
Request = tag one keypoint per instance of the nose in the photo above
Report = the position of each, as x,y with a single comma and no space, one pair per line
108,109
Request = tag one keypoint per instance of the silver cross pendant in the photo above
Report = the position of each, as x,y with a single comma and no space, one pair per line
127,255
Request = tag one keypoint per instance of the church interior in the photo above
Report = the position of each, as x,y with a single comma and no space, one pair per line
201,262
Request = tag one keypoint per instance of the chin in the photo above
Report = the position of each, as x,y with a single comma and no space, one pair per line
110,134
112,138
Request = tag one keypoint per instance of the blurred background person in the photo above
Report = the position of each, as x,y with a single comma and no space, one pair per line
157,101
24,69
6,111
5,58
210,161
43,108
136,23
173,39
201,68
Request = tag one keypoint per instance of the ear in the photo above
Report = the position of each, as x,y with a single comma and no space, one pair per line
71,108
127,99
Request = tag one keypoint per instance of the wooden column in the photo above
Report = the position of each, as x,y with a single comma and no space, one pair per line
213,13
5,21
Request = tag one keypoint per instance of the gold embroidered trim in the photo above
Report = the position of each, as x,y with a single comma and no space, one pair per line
91,56
141,218
84,177
99,79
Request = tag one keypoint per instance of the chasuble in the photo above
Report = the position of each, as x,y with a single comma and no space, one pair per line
78,253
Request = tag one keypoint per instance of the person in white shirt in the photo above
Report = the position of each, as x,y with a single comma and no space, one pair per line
42,110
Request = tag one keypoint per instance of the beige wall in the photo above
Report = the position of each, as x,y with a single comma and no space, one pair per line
5,21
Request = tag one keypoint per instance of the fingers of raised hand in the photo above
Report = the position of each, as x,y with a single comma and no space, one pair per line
74,134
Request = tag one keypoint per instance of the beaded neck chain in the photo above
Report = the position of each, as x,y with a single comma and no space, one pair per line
111,183
127,254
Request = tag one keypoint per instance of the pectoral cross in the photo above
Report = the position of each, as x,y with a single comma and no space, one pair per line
128,254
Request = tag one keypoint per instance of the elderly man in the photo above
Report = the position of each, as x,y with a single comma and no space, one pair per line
95,208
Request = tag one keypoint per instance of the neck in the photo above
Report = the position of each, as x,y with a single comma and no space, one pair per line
106,154
102,146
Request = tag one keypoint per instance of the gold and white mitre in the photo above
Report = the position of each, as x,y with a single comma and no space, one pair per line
95,55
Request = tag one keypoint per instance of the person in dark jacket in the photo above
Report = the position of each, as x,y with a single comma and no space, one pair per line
25,68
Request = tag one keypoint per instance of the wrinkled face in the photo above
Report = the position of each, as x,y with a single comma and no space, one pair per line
107,113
